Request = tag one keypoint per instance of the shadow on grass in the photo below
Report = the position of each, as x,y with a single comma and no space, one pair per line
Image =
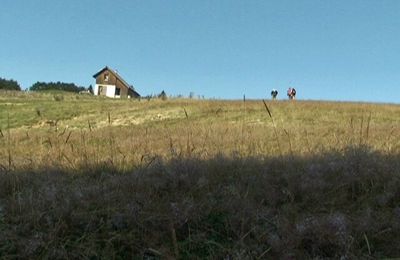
337,204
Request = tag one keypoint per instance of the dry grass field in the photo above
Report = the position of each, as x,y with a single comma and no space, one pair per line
86,177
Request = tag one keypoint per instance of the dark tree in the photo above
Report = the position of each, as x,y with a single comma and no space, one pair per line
162,95
42,86
90,89
9,84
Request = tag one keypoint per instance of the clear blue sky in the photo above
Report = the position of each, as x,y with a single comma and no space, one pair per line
330,50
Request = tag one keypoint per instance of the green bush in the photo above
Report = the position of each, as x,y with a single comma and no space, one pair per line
43,86
58,97
9,84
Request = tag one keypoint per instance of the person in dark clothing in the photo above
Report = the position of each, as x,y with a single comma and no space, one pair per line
293,93
274,93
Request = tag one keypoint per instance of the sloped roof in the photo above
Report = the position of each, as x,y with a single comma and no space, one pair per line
117,76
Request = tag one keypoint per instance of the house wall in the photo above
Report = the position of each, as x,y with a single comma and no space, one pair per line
110,91
106,90
111,82
132,94
102,80
96,90
124,89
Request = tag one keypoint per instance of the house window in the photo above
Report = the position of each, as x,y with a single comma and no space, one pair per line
117,91
106,77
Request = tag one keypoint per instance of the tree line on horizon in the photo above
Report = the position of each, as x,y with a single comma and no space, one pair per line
70,87
10,84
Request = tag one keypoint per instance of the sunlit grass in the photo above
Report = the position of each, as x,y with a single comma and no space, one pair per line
89,177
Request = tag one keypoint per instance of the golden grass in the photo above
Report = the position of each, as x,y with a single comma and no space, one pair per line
86,177
127,131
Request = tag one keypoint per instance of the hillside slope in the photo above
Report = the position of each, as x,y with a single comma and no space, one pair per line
36,128
85,177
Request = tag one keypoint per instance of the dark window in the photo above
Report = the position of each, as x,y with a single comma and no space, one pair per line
117,91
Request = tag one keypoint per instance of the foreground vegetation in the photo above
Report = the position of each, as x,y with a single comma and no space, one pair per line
85,177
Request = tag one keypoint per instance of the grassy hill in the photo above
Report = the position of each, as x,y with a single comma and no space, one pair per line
88,177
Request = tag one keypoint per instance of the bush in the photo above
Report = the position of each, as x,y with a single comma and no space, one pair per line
43,86
162,95
9,84
58,97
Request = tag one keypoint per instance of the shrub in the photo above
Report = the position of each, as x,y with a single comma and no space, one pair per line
42,86
9,84
58,97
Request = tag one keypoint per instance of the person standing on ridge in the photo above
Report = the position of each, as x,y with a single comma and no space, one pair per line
291,93
274,94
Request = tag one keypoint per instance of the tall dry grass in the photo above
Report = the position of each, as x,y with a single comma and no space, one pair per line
199,179
201,128
336,205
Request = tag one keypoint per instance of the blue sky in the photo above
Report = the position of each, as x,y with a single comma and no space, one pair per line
328,50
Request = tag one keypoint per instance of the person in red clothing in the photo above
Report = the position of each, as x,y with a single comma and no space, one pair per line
291,93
